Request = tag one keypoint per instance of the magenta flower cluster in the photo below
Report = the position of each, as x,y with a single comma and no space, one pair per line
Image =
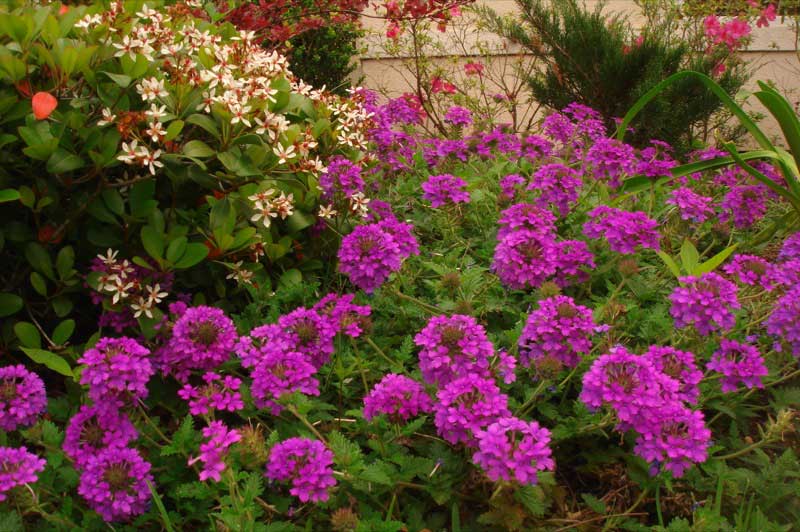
217,393
707,302
784,321
341,178
458,116
512,449
18,467
466,405
306,464
744,205
557,186
114,484
738,363
93,429
22,397
691,205
610,160
371,253
453,347
117,370
445,189
624,230
749,269
398,397
214,450
559,330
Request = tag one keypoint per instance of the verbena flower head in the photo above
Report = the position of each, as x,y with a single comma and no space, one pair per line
783,274
573,261
557,186
218,393
677,438
707,302
342,178
784,321
528,217
17,468
623,230
509,184
397,396
214,450
349,318
627,383
368,256
402,233
458,116
744,204
525,259
278,372
22,397
610,160
117,368
790,248
306,464
466,405
748,269
453,347
691,205
679,366
310,333
655,161
93,429
445,189
114,484
560,330
739,364
202,339
512,449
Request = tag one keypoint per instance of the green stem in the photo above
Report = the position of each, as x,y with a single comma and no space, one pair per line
304,420
658,505
380,351
524,408
421,304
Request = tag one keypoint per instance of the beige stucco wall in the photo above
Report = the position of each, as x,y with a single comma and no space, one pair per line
772,55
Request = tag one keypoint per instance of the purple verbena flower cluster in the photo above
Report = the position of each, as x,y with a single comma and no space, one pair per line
306,464
370,254
217,393
748,269
114,484
744,204
342,178
22,397
691,205
623,230
445,189
453,347
707,302
18,467
458,116
117,369
213,451
739,364
784,321
467,405
557,186
610,160
93,429
512,449
397,396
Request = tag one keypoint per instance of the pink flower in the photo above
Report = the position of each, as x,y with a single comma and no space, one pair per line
440,85
473,69
767,16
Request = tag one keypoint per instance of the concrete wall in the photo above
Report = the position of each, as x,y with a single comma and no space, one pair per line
772,55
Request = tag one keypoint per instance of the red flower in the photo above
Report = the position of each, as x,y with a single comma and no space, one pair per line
47,235
43,104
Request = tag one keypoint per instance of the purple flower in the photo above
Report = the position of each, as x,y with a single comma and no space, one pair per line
558,330
341,178
278,372
466,405
524,216
677,437
535,147
453,347
707,302
17,468
679,366
114,484
202,339
557,185
785,274
610,160
349,318
624,230
368,256
655,162
512,449
691,205
93,429
748,269
307,464
215,449
790,248
310,334
397,396
218,393
627,383
116,368
22,397
444,189
784,321
746,204
525,259
505,367
402,233
573,258
739,364
458,116
509,184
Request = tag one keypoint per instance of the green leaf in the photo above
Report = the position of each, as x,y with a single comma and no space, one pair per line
293,277
346,453
63,332
299,221
50,360
114,201
532,498
153,242
160,505
689,257
194,254
670,262
238,163
222,220
594,503
205,123
198,149
711,264
376,472
39,284
62,161
120,79
141,198
176,249
39,259
64,262
8,194
28,334
174,129
10,304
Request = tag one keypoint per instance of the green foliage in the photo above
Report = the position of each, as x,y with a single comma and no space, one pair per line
594,58
325,56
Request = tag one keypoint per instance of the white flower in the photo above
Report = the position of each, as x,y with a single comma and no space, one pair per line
129,152
264,213
108,118
358,204
240,274
151,88
155,112
127,46
142,306
154,293
284,154
110,258
239,112
120,289
156,131
284,205
152,162
262,196
327,212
